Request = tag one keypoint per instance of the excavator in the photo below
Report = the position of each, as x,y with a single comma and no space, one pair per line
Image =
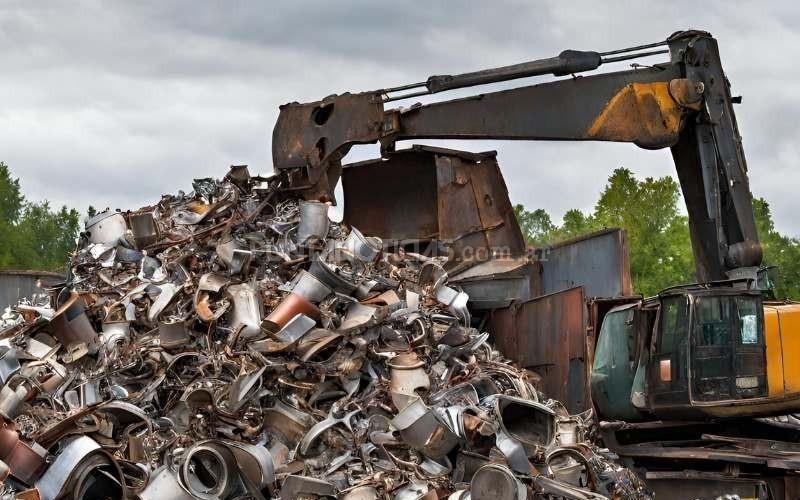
716,349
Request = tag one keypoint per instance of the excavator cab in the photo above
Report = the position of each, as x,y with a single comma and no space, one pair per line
699,351
708,350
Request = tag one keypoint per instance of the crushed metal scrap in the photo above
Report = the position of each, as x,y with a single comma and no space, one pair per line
233,342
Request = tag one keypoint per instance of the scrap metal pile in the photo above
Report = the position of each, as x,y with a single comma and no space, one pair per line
233,342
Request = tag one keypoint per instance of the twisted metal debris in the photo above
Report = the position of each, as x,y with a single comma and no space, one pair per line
233,342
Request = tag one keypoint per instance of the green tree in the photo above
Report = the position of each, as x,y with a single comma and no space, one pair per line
779,250
33,235
11,202
46,236
11,199
536,226
658,235
576,223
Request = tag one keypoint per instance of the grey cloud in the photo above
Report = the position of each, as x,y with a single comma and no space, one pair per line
113,103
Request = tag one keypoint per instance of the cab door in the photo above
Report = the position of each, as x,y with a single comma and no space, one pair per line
616,359
667,373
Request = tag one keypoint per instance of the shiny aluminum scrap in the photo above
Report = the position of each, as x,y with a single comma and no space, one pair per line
233,342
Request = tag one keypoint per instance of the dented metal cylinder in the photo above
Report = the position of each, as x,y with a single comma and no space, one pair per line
247,311
338,269
11,401
408,376
314,222
531,423
209,471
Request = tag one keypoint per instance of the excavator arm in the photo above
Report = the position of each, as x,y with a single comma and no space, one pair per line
684,104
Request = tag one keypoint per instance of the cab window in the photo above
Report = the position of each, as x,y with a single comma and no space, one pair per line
713,321
747,314
674,324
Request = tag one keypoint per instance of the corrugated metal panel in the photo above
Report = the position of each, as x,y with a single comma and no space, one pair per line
548,335
599,262
17,284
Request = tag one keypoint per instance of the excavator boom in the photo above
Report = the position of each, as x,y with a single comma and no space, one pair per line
684,104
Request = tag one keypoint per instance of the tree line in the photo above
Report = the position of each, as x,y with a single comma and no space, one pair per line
658,232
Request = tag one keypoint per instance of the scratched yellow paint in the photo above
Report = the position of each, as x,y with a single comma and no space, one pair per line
643,113
789,323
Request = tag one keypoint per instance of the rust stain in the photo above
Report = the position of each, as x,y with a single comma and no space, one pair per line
642,113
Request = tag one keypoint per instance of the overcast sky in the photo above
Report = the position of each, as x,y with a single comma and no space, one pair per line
114,103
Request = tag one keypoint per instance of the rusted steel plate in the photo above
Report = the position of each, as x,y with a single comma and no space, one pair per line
424,194
548,335
395,199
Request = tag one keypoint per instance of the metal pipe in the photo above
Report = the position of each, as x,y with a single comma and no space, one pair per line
637,47
637,55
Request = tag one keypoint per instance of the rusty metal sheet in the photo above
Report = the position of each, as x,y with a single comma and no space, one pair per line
406,186
548,335
423,194
498,282
599,262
